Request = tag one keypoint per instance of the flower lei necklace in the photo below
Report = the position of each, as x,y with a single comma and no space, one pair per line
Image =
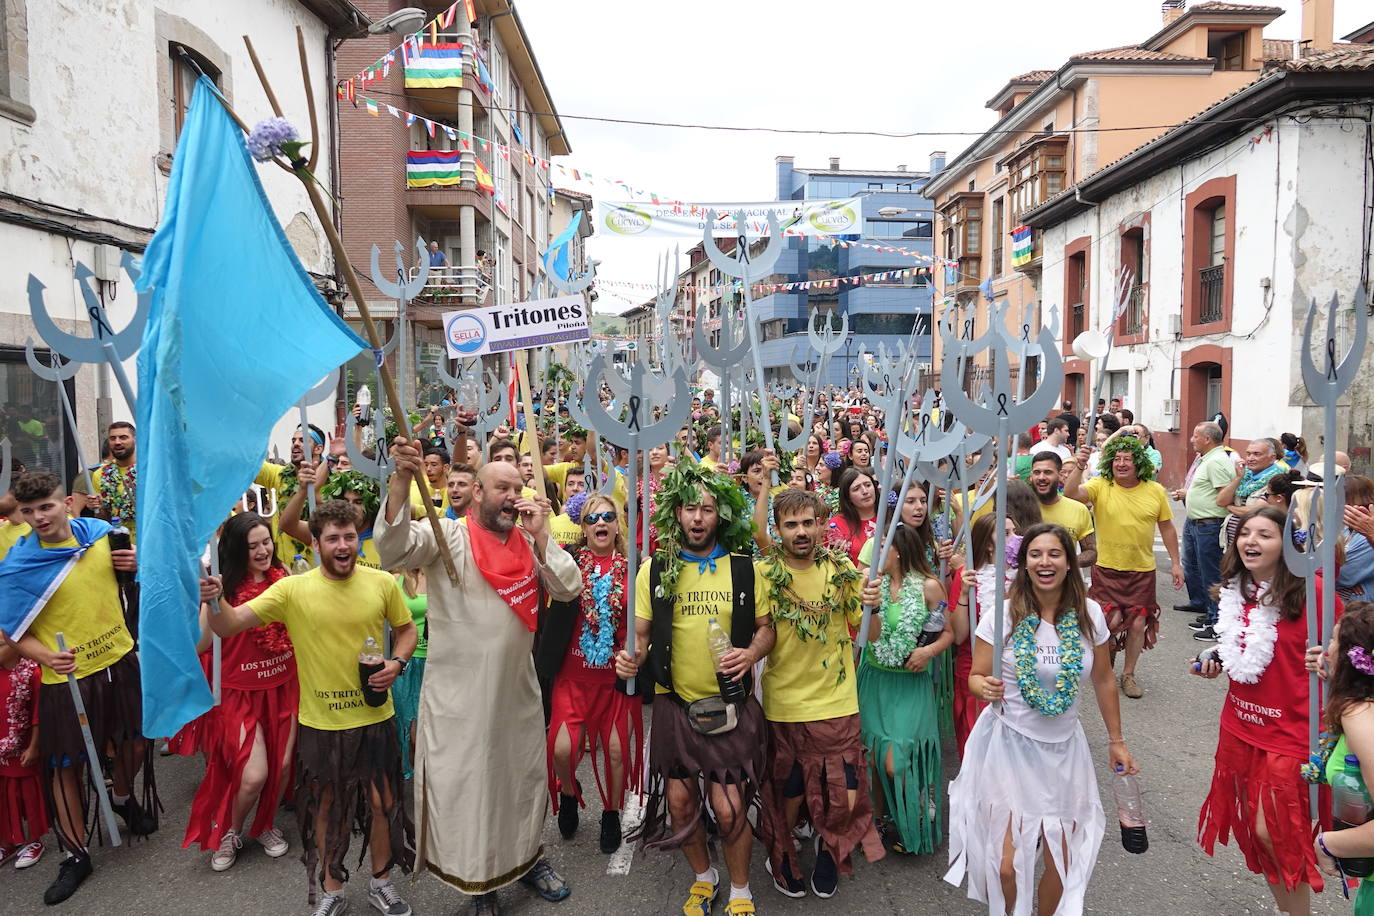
896,644
18,709
120,504
841,597
1025,650
1247,639
603,605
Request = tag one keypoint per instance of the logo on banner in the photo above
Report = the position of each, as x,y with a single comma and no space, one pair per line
834,219
628,220
465,333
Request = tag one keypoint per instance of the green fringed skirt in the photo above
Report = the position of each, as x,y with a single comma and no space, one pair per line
898,714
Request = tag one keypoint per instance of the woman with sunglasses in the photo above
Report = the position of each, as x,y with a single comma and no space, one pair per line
575,653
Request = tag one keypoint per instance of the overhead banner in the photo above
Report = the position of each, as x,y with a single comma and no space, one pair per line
682,220
516,326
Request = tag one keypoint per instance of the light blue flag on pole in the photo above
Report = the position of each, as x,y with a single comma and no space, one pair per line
236,334
556,258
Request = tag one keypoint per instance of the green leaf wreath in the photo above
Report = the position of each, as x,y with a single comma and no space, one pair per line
340,482
841,596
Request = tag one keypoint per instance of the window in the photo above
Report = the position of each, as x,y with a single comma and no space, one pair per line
1214,405
25,397
14,61
1213,275
1037,173
517,199
1077,288
184,62
1134,258
1227,49
971,242
502,178
963,214
899,228
999,234
1208,243
503,291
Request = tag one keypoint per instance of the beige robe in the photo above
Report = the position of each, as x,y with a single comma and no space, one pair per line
480,776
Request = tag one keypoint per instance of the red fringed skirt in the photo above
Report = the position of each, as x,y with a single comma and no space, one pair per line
22,804
1245,778
603,713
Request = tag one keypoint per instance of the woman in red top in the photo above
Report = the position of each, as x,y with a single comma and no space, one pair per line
853,525
249,738
585,701
1258,792
23,813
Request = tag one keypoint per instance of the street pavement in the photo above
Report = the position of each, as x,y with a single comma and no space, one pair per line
1172,732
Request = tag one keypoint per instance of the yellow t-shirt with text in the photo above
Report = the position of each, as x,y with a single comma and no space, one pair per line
801,682
1127,518
87,611
328,621
699,598
565,531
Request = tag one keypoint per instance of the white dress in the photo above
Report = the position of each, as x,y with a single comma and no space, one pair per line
1033,775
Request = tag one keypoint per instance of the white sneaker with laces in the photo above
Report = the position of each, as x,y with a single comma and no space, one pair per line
273,843
29,855
222,859
385,899
331,905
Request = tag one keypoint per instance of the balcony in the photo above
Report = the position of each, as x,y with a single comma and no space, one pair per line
1133,322
449,288
1213,280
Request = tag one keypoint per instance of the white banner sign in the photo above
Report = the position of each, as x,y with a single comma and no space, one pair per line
516,326
664,220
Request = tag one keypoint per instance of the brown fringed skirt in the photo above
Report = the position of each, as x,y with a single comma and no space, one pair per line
1124,596
338,768
735,759
824,751
114,708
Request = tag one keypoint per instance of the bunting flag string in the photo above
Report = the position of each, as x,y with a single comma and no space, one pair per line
411,46
917,274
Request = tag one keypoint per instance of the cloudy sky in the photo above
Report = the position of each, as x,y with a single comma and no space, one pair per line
856,65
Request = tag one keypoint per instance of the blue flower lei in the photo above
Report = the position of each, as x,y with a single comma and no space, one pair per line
1025,648
597,641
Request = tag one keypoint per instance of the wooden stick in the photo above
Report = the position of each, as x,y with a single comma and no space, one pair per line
309,104
531,432
370,328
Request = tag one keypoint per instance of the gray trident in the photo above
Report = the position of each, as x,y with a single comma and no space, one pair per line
827,344
107,345
637,434
58,373
402,290
317,395
6,465
723,357
746,267
1003,412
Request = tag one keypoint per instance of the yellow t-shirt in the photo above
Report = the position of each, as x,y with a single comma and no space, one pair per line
86,610
10,533
699,598
1071,515
709,463
417,500
558,473
564,530
269,477
328,621
1126,521
801,682
367,553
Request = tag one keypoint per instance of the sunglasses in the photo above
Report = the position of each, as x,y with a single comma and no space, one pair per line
607,516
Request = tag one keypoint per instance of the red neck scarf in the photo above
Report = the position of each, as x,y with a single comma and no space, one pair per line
508,568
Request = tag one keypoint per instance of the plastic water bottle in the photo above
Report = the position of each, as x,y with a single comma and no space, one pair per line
1130,811
934,625
299,565
120,539
364,405
718,641
370,661
1351,807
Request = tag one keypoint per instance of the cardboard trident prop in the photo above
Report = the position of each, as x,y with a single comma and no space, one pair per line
317,395
723,357
107,345
1003,413
93,772
402,290
637,434
58,373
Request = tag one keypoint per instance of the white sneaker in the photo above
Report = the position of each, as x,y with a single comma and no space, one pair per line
273,843
29,855
387,901
222,859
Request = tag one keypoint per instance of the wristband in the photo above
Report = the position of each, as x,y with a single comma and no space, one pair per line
403,662
1321,844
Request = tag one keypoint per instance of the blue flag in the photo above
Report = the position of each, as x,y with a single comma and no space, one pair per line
32,573
556,258
236,334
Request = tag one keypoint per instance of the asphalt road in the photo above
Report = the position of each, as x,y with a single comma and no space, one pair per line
1172,732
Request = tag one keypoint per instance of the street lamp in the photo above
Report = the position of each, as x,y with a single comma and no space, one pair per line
405,21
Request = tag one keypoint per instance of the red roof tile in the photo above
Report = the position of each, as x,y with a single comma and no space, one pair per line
1212,6
1341,57
1134,52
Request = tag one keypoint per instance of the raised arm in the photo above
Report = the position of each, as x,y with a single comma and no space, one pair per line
1226,496
290,522
1073,486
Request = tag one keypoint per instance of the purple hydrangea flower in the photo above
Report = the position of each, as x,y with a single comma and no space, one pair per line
833,460
573,507
892,499
1013,548
267,138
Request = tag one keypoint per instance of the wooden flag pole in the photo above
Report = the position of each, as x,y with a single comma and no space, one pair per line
355,290
531,433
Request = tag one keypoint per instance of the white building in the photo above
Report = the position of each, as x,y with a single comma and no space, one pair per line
1230,224
90,106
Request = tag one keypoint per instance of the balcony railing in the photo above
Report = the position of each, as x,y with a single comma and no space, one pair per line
1213,281
457,285
1077,324
1134,322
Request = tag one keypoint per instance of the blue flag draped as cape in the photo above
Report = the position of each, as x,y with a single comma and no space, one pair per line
31,573
237,333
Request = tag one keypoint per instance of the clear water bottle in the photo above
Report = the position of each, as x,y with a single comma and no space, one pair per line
370,661
299,565
1130,810
364,405
718,641
121,539
1351,807
934,625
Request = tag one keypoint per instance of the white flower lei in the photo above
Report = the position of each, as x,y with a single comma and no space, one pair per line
1246,649
983,586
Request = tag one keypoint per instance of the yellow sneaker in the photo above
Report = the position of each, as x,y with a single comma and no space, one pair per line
739,907
700,896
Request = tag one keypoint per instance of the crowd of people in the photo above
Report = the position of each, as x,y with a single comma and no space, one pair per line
367,657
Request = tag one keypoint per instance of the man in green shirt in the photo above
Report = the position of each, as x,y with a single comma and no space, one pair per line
1202,530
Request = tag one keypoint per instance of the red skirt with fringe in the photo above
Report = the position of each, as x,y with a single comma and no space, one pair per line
1245,778
967,707
225,736
603,713
22,805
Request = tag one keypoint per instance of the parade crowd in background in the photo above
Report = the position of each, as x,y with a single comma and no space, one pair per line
356,672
